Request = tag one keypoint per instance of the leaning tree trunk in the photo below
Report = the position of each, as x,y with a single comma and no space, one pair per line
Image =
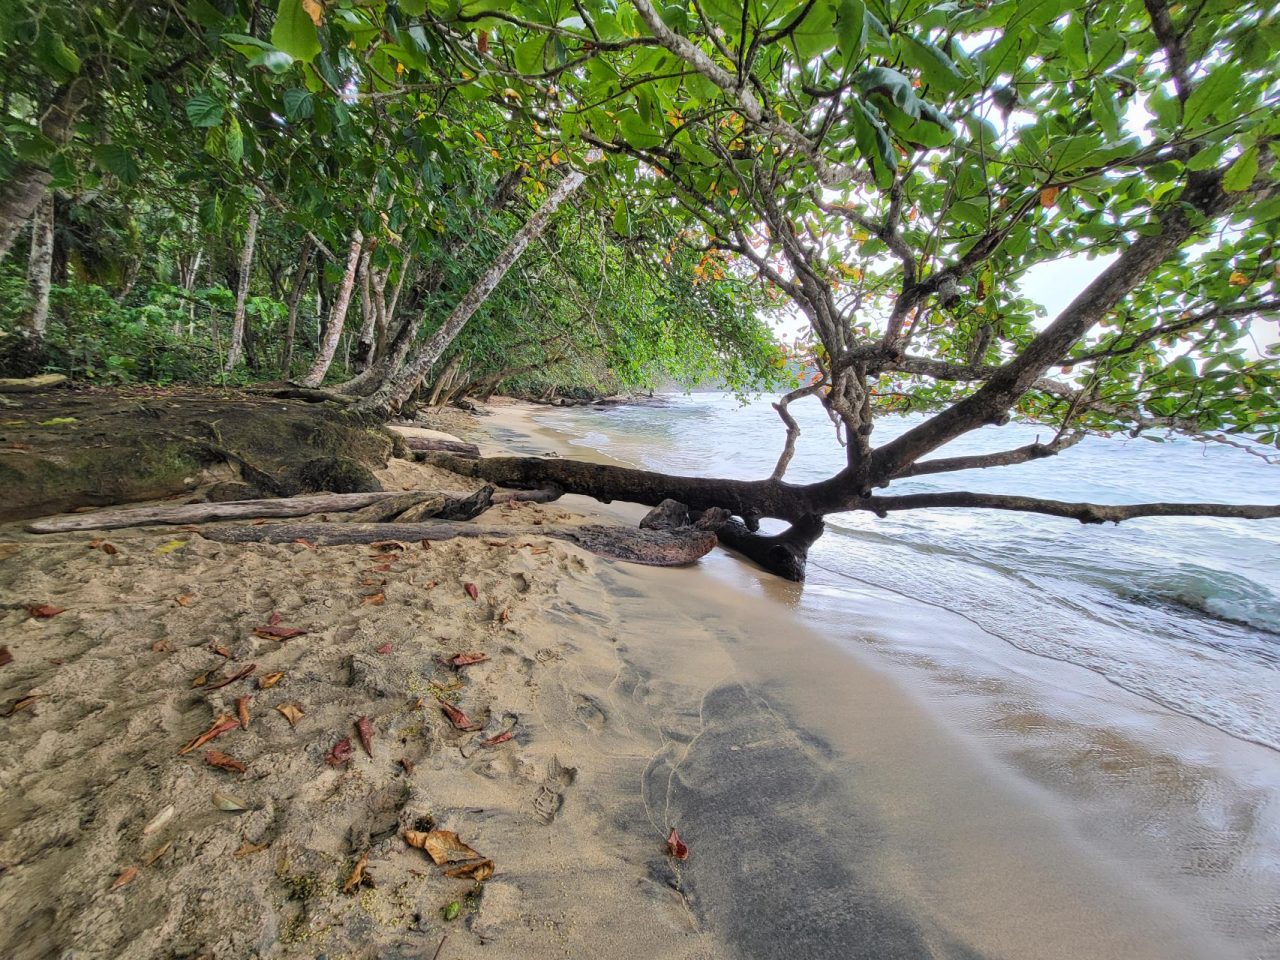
295,295
242,292
368,321
338,316
391,396
40,268
28,183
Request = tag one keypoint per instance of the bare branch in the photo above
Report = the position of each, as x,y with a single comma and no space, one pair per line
1084,512
1032,451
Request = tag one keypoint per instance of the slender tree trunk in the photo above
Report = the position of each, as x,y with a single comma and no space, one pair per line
445,378
28,183
242,292
390,397
187,278
338,316
368,322
295,296
40,267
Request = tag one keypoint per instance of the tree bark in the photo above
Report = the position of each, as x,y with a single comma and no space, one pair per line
391,396
295,296
368,319
40,268
338,316
242,292
28,182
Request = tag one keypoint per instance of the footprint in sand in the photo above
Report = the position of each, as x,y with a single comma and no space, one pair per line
589,712
550,796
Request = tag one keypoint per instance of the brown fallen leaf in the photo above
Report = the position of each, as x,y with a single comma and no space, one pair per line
465,659
43,611
242,710
216,758
220,650
676,847
471,589
407,764
457,717
271,631
161,646
258,523
109,549
357,875
425,544
387,546
479,871
381,568
502,737
226,681
339,753
184,600
504,614
220,725
201,680
364,730
125,877
442,846
292,712
267,681
305,542
248,849
157,853
7,657
384,649
158,821
374,600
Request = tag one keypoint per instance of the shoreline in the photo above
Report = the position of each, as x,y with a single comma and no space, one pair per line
830,808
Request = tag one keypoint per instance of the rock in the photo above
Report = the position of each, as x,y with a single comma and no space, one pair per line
332,475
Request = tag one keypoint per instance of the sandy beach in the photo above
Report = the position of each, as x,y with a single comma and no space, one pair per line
828,809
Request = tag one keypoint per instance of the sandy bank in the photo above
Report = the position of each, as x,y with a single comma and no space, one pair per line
828,815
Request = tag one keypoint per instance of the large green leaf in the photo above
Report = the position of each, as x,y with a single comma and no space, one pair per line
204,110
294,32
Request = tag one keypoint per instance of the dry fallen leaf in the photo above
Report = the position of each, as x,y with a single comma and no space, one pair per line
184,600
457,717
292,712
267,681
357,875
247,849
442,846
220,725
303,541
676,847
502,737
14,706
226,681
216,758
465,659
158,821
157,853
242,710
384,649
472,592
109,549
387,546
479,871
364,729
201,680
7,657
381,568
161,646
229,802
43,611
407,764
125,877
273,632
374,600
339,753
220,650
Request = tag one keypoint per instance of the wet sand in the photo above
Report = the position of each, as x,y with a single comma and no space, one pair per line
831,809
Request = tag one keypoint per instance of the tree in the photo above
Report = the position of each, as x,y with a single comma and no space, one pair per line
894,169
242,292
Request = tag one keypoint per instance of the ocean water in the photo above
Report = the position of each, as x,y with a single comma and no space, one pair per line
1185,612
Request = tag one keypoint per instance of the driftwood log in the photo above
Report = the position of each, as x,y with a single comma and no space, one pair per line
657,548
431,445
31,384
451,507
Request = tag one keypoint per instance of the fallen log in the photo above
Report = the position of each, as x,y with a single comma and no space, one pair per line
656,548
428,445
204,512
309,394
31,384
545,494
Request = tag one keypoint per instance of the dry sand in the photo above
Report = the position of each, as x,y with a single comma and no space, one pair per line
827,814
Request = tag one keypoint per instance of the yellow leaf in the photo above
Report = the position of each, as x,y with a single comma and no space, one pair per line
169,547
1048,196
315,10
479,136
1238,279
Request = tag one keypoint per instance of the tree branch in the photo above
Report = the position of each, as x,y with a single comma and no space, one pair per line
1084,512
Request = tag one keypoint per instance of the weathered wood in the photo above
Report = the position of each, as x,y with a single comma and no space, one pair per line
657,548
302,393
31,384
547,493
459,447
205,512
392,507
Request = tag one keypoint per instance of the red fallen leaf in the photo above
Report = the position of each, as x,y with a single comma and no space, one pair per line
457,717
125,877
43,611
384,649
479,871
273,632
110,549
676,847
465,659
340,753
374,600
216,758
5,656
472,592
242,711
358,875
364,729
258,523
305,542
381,568
220,650
184,600
503,737
274,618
232,679
221,725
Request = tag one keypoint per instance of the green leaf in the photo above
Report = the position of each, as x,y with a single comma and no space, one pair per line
935,66
851,30
294,33
204,110
621,220
1212,95
413,8
1240,174
298,104
115,159
234,141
